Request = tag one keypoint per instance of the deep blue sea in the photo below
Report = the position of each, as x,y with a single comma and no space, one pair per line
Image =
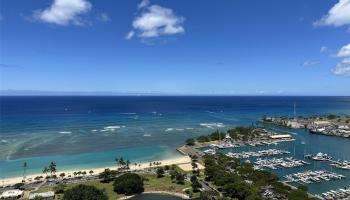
83,132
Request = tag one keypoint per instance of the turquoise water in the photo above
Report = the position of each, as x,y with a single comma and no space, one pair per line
83,132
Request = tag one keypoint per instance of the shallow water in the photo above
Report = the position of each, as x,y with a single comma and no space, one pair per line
84,132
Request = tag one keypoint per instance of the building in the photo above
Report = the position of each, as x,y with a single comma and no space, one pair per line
44,195
228,138
321,123
294,124
281,136
11,194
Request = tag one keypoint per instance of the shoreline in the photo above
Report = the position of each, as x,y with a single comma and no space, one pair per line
182,160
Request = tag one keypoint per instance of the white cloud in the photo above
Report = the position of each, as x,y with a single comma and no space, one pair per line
155,21
342,68
143,4
338,15
323,49
344,51
104,17
311,63
64,12
130,35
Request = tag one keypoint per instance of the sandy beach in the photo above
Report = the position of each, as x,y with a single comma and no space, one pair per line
183,162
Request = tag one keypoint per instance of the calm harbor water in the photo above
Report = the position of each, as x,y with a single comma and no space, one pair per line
306,143
83,132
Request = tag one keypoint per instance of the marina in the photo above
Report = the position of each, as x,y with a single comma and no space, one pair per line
268,152
324,157
290,158
276,163
341,164
342,193
319,157
309,177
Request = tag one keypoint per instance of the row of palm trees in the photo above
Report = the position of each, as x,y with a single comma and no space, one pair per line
123,164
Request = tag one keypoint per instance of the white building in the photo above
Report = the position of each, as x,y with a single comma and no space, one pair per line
227,138
281,136
45,195
294,124
11,194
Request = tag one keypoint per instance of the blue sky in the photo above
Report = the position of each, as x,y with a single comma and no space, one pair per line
272,47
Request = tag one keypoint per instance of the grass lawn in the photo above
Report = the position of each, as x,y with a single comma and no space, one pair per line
165,184
107,187
152,183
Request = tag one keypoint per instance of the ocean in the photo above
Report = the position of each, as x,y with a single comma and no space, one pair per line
90,131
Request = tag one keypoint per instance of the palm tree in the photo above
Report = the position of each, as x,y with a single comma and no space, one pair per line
91,172
127,163
24,170
117,161
121,161
45,170
52,168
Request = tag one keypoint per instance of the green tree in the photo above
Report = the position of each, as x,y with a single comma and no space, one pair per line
52,168
107,175
190,141
128,184
173,174
62,175
59,189
127,163
195,184
303,188
45,170
160,172
24,170
297,195
203,138
84,192
180,178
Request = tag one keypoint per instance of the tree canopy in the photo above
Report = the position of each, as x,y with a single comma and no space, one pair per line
84,192
128,184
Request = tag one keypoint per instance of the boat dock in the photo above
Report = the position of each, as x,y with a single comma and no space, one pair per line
309,177
277,163
268,152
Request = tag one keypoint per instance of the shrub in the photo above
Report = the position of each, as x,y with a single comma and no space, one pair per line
128,184
190,141
160,172
84,192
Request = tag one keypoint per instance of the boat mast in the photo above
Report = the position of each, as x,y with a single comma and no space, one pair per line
295,113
